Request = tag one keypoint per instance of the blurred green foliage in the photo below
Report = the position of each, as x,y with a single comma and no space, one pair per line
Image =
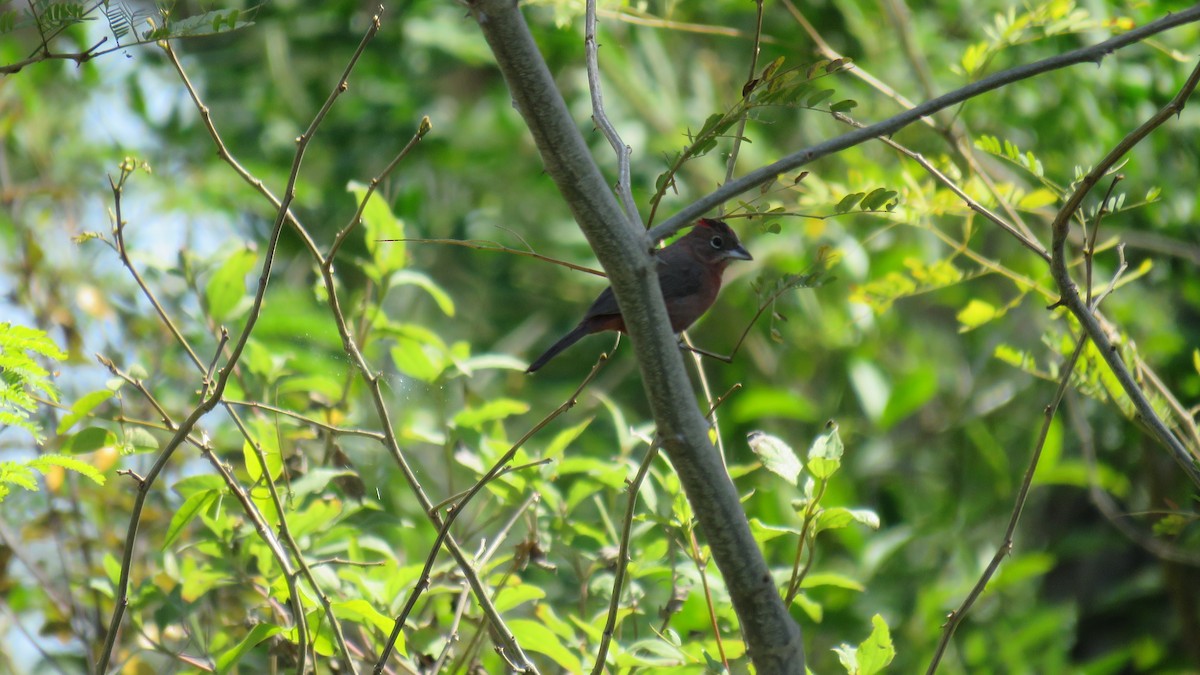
932,349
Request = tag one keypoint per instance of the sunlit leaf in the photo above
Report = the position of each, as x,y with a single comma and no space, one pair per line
226,289
776,455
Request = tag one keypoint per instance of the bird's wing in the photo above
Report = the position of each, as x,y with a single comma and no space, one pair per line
678,279
604,305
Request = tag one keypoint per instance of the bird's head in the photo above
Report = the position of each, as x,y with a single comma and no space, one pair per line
713,242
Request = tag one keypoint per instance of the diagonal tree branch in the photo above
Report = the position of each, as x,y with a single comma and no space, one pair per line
1092,54
1085,312
773,638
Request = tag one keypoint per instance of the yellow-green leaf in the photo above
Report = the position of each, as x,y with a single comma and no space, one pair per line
776,455
491,411
380,223
227,286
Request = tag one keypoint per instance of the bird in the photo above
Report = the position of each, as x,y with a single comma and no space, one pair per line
689,274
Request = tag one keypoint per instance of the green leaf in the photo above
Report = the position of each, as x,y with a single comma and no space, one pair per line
910,394
1037,199
88,440
227,287
268,442
16,473
489,362
187,512
380,223
139,440
564,438
69,463
818,97
316,479
833,580
536,637
418,360
764,533
848,202
514,596
498,409
812,608
844,105
839,517
256,635
877,198
975,314
825,455
776,455
422,281
22,377
189,486
80,409
363,612
876,652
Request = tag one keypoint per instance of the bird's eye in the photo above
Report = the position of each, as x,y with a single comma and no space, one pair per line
717,242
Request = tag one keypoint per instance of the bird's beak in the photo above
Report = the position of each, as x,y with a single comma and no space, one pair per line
739,253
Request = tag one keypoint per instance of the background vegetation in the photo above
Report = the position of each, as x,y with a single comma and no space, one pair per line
928,341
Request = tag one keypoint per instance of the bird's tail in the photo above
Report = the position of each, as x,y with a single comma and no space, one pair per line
566,341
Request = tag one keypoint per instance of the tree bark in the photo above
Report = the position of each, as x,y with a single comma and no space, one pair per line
773,639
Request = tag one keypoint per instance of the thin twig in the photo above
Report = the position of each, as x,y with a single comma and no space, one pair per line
422,129
1108,507
485,245
212,399
459,506
623,188
622,563
974,205
1089,247
496,540
956,617
252,512
731,162
331,428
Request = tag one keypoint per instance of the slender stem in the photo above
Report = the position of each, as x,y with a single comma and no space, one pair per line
459,506
956,617
631,492
731,163
600,117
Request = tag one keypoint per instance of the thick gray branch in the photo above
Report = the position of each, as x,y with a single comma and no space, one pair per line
772,636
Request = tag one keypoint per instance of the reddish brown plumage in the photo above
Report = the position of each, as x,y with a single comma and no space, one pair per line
689,274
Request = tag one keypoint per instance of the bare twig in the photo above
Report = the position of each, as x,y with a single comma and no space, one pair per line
213,396
460,608
252,512
422,129
331,428
623,188
484,245
956,617
731,162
